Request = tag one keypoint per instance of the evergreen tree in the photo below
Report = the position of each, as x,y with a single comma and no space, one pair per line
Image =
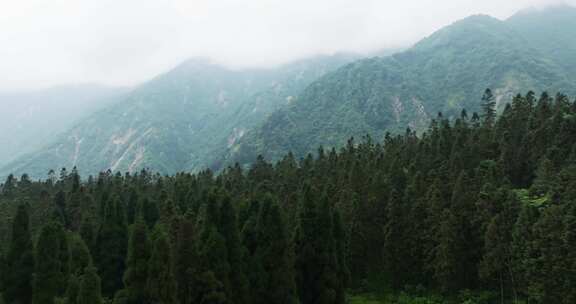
2,271
149,212
20,261
445,253
214,273
185,262
73,290
88,233
136,275
132,206
316,259
274,255
396,245
80,257
228,225
111,246
49,278
523,249
343,271
496,265
161,285
61,211
214,268
488,108
545,178
89,292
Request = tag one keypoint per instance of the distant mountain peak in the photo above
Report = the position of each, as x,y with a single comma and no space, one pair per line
476,28
561,8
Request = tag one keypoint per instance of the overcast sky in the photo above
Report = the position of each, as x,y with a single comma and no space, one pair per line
124,42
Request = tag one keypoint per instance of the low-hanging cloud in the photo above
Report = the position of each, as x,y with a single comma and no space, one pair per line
44,43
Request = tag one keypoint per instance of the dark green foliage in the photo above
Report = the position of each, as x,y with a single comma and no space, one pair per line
445,72
316,256
80,257
273,255
488,108
136,275
132,207
186,262
111,245
214,267
2,271
20,261
480,211
237,288
50,274
73,289
149,211
161,286
90,292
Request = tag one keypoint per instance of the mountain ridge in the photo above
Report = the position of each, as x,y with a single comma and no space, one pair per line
202,115
445,72
174,121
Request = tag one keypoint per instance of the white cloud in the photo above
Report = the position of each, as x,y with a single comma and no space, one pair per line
122,42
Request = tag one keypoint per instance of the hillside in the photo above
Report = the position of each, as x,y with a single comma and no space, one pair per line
31,119
178,120
551,31
446,72
475,211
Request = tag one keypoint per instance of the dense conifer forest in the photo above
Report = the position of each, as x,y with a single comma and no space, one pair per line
479,208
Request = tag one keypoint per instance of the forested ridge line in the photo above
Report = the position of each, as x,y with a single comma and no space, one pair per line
480,205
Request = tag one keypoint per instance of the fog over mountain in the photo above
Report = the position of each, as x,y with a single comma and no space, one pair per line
127,42
287,152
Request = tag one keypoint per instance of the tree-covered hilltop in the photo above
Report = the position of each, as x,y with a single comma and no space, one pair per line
445,72
550,31
177,121
478,209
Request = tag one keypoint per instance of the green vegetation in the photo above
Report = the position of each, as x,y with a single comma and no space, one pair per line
181,120
445,72
201,115
478,209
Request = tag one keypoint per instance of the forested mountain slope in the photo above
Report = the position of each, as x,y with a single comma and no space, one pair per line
475,210
176,121
550,31
445,72
31,119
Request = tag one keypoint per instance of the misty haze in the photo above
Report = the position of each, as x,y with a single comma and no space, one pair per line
287,152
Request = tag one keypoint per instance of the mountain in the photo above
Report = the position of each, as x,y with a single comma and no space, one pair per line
31,119
201,114
179,120
446,72
551,31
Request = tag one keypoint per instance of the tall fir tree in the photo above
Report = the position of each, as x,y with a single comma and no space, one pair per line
49,275
20,260
213,254
90,292
488,108
111,246
186,262
136,275
274,252
228,225
161,285
316,258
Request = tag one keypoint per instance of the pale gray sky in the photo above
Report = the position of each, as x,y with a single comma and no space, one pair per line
124,42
